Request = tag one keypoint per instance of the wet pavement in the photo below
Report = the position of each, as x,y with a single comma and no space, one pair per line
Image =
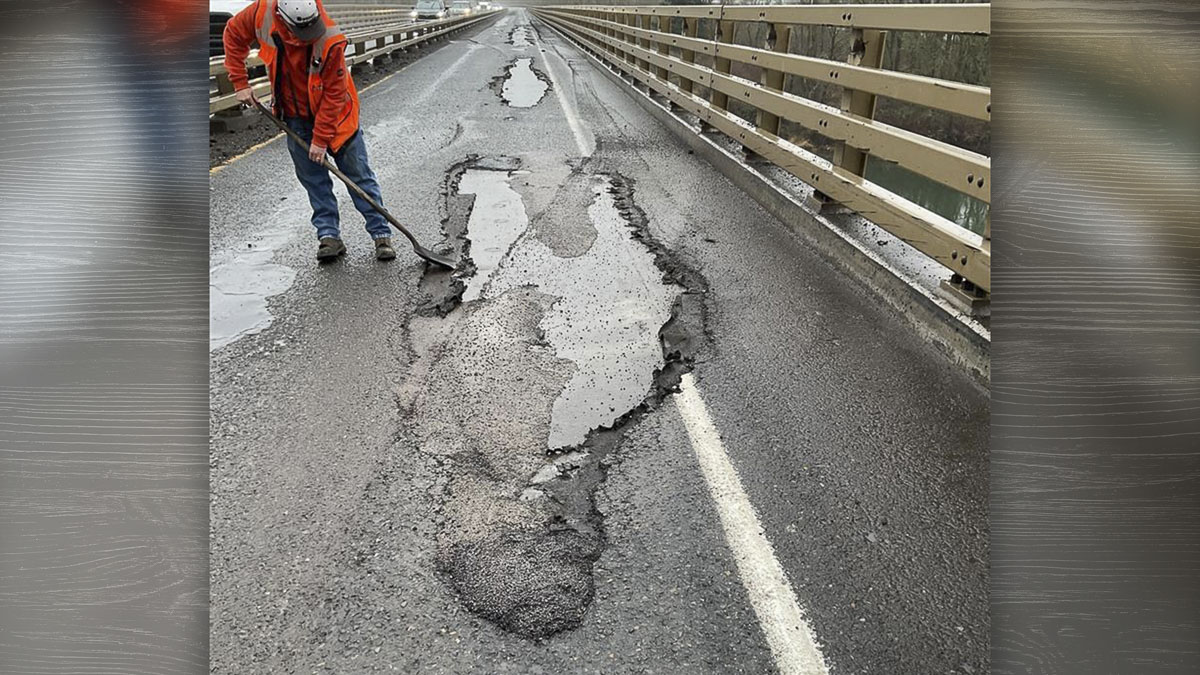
242,280
420,471
611,304
497,219
522,86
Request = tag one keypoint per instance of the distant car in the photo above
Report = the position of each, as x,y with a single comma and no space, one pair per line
431,9
461,8
219,13
484,5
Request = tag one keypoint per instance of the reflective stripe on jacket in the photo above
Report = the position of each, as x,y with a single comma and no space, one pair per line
327,68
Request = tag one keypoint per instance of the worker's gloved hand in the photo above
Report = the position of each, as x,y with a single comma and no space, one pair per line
316,153
245,96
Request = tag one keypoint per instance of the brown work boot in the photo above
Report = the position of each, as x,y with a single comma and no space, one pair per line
329,249
384,250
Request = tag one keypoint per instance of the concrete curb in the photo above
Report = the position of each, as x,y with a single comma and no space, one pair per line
962,340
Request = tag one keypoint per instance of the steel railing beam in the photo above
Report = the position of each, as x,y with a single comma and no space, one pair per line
955,247
947,164
970,18
956,97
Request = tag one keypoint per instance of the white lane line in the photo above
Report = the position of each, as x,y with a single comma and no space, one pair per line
789,635
572,115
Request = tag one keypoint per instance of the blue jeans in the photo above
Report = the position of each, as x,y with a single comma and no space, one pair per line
352,160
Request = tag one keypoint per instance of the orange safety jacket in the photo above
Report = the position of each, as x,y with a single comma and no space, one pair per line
327,65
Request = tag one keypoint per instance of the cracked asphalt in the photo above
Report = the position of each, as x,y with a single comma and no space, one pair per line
382,495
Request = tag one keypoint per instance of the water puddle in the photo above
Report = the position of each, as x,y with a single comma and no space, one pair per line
237,299
612,303
240,284
581,323
497,220
520,37
522,87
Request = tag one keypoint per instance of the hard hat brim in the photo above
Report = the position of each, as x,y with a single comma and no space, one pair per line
310,32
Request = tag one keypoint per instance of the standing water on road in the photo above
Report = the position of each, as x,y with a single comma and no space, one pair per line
612,303
561,338
520,37
497,219
522,87
241,282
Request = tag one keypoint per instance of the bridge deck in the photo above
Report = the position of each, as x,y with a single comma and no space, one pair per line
377,468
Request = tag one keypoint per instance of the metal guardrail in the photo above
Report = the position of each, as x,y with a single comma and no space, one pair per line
372,31
350,16
653,44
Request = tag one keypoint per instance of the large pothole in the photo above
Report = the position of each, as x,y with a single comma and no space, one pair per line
573,327
445,289
521,85
497,220
611,303
520,36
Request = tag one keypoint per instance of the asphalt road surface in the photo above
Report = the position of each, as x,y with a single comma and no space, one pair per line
644,429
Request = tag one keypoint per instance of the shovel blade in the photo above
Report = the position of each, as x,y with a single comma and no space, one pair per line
435,259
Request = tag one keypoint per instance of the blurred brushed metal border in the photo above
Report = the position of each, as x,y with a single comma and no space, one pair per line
1095,473
1095,365
103,339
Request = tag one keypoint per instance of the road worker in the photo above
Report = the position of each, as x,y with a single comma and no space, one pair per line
313,93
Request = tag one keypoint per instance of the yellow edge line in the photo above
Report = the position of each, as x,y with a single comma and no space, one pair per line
258,146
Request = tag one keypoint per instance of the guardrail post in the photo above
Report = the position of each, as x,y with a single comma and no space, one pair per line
362,66
664,49
867,51
778,39
224,84
635,21
610,32
641,21
719,100
965,296
384,47
618,35
627,21
690,29
232,119
603,30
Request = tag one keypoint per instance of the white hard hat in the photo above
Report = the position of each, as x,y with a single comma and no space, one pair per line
302,17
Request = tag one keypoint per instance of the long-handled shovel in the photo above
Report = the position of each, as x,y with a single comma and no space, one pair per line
328,164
